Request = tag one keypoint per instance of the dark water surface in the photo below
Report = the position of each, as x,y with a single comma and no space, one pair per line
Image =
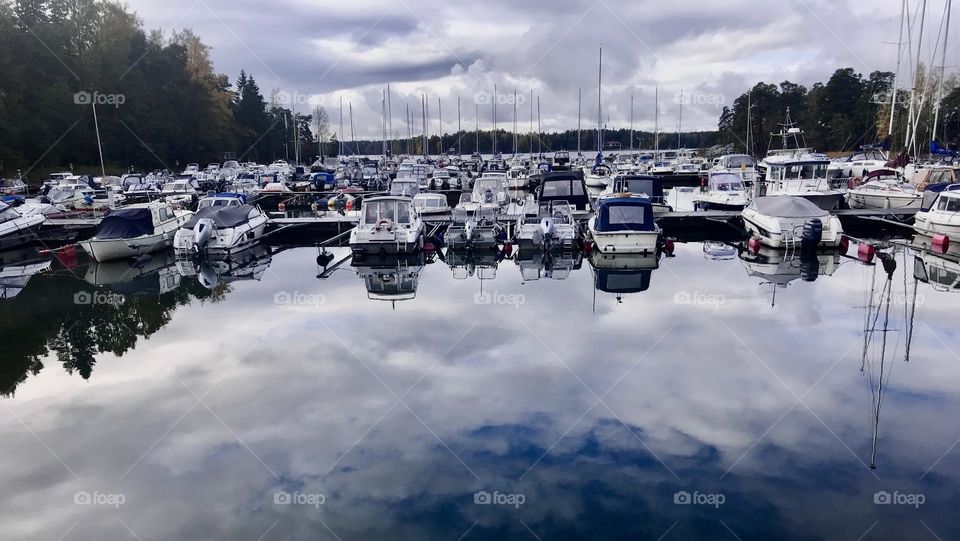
702,403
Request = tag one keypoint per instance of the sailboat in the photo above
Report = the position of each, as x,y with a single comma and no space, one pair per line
601,173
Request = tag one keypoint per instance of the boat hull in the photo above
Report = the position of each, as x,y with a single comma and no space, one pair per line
862,200
20,231
625,242
111,249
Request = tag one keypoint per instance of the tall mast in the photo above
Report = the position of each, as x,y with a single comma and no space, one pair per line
353,136
478,127
531,123
680,123
494,145
440,124
409,129
423,111
912,124
514,122
896,74
539,131
943,74
631,121
599,104
96,126
390,121
459,130
656,120
340,150
383,125
579,103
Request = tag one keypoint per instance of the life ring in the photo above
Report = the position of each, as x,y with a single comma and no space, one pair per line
383,223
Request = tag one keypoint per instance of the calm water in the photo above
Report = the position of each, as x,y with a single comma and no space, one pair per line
703,402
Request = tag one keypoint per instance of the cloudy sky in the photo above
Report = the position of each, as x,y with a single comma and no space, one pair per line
321,50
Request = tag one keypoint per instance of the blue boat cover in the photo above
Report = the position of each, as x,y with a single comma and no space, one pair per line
623,281
221,216
625,214
125,224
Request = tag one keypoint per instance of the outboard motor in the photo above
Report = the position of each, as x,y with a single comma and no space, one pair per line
812,234
207,277
548,227
468,228
202,232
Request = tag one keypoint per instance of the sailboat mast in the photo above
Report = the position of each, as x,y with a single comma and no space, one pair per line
599,104
423,111
896,74
579,105
459,130
943,73
912,124
340,150
631,121
390,119
478,128
353,135
440,125
494,145
680,123
409,129
539,131
531,123
514,122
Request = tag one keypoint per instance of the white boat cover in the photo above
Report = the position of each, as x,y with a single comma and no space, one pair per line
787,206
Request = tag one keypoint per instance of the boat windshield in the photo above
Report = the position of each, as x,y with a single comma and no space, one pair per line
626,215
733,162
726,183
562,188
949,204
218,202
59,195
7,214
806,171
393,211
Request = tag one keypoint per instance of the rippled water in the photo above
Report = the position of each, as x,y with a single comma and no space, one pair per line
702,401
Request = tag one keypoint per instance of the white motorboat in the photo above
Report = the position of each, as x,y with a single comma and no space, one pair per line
799,171
599,176
431,203
884,189
388,224
624,225
223,223
943,218
17,229
490,190
180,192
552,226
472,230
741,164
858,164
778,221
724,191
518,177
135,230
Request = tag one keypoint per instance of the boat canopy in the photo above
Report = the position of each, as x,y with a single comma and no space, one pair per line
880,173
725,181
126,224
623,281
785,206
648,185
625,214
230,216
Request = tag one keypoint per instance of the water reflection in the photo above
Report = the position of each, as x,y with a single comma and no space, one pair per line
400,418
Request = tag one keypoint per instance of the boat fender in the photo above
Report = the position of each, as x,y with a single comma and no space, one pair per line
940,244
754,245
282,207
844,244
508,249
866,252
668,246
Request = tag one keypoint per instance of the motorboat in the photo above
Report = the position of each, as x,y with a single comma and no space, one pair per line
135,230
17,229
561,161
648,186
718,251
467,204
76,196
624,225
884,189
599,175
518,177
431,203
741,164
723,191
799,171
778,268
223,223
622,274
17,267
404,187
490,190
858,164
388,224
180,192
943,217
778,221
440,180
565,186
248,264
548,264
552,226
13,186
472,230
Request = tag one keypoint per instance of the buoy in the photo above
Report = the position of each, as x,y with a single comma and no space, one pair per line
668,246
940,244
349,205
754,245
587,247
866,252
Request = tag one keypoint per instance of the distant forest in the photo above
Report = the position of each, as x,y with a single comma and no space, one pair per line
160,103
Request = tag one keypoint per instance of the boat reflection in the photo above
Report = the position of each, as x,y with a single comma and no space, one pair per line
17,267
465,264
150,274
211,272
622,274
778,267
390,278
550,265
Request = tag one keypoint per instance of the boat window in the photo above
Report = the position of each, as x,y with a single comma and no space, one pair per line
626,215
949,204
403,213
